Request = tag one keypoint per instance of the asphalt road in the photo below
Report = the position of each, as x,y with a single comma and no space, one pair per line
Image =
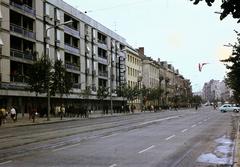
164,139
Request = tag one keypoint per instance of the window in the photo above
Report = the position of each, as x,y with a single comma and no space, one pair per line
102,38
47,9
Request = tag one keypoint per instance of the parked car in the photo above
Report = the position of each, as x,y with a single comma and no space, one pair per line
229,108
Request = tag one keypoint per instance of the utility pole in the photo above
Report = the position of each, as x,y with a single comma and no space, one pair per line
48,56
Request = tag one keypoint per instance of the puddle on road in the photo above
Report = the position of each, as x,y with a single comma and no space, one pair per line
222,155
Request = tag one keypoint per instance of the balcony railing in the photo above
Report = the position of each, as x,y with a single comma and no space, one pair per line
103,73
77,86
20,30
72,49
24,55
71,31
17,78
72,67
24,8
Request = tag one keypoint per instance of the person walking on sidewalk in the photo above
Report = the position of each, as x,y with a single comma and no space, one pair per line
1,116
13,114
62,111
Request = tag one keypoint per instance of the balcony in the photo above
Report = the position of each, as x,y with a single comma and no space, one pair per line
72,67
77,86
71,31
102,60
22,31
103,73
72,49
22,55
17,78
24,8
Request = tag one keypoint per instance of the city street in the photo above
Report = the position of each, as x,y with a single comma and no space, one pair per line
162,139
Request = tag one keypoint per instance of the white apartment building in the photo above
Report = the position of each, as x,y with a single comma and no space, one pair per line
93,54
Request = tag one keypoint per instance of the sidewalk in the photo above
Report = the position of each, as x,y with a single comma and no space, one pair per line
25,121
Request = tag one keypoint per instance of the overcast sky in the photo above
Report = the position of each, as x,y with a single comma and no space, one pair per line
173,30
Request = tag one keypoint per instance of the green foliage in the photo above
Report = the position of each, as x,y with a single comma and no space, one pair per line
228,6
151,93
233,65
87,92
102,93
128,92
61,80
196,99
39,75
43,75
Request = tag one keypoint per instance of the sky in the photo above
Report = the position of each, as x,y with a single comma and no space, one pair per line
175,31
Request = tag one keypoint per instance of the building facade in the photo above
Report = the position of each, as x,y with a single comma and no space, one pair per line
134,72
92,54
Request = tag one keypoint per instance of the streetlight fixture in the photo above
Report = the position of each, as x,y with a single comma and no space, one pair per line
45,51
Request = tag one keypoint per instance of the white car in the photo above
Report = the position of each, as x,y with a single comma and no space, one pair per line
229,108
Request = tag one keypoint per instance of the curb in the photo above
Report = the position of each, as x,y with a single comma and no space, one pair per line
236,148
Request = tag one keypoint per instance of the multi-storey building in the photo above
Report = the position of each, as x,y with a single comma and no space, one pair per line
92,54
160,74
134,72
216,90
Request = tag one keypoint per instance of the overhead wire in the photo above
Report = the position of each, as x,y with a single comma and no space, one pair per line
117,6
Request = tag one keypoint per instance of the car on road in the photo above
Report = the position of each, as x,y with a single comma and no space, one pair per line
229,108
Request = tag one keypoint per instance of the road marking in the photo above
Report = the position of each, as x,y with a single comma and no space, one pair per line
193,126
113,165
199,122
146,149
158,120
184,130
168,138
109,136
6,162
63,148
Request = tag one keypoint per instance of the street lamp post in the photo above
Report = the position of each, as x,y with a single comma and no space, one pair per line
47,54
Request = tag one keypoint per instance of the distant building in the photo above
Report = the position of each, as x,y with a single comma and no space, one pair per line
215,90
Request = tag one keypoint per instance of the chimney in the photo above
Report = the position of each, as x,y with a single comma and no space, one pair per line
141,51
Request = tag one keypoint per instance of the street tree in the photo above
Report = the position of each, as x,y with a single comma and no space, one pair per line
145,92
43,76
233,65
229,7
130,93
61,80
39,75
102,93
85,95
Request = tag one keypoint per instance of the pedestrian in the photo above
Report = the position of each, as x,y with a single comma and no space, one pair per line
62,111
5,113
196,106
13,114
34,113
1,116
132,108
